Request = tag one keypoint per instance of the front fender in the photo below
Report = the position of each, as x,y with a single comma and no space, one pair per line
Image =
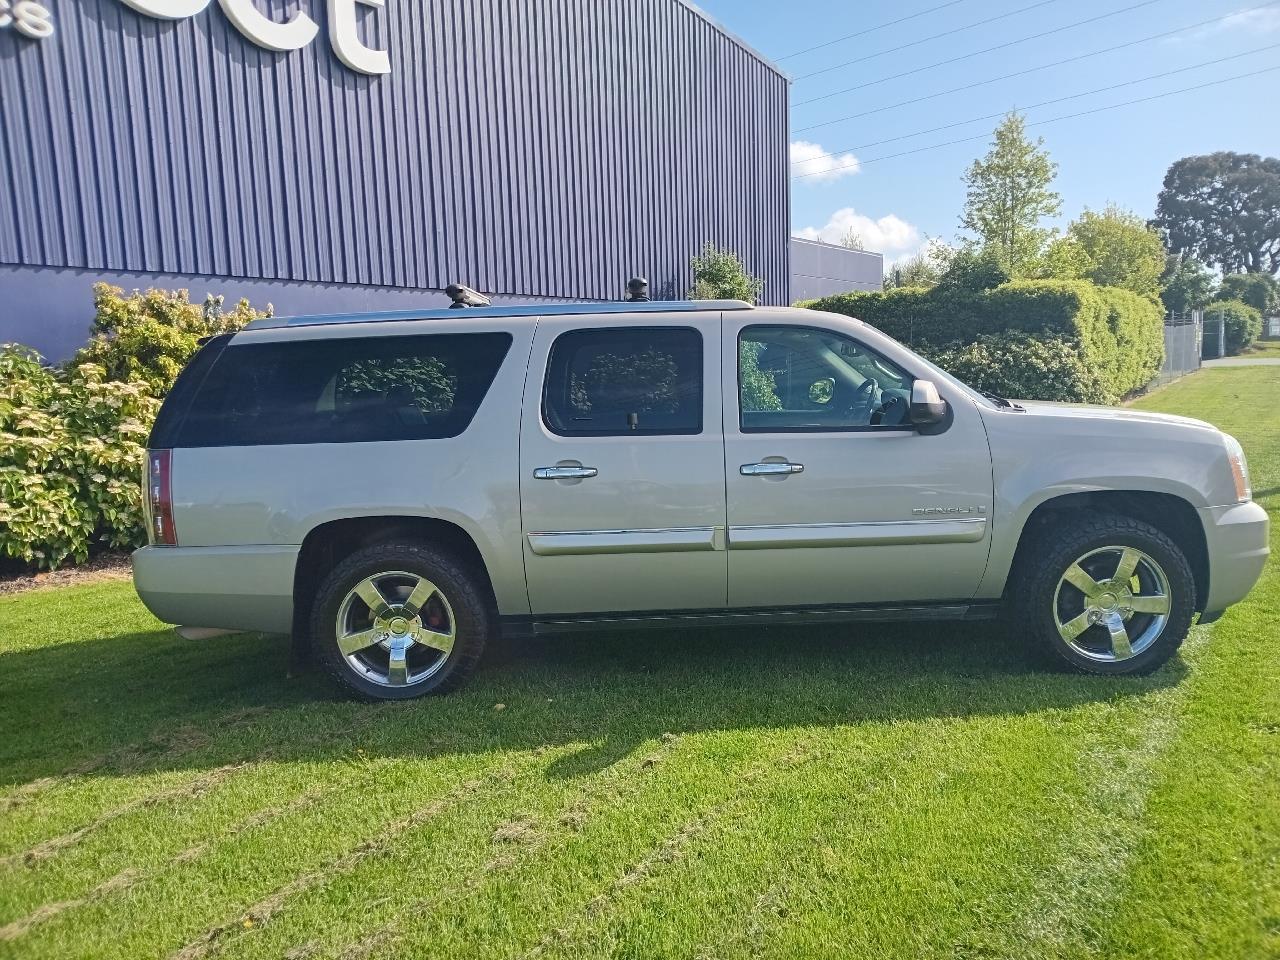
1036,460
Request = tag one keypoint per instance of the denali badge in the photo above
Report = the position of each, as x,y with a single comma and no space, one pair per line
945,511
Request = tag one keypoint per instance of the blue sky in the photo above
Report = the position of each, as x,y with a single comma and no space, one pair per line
1115,156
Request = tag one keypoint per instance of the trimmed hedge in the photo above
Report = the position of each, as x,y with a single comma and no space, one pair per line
1021,365
1103,341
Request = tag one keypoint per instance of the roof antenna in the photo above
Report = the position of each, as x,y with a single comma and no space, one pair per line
637,290
463,296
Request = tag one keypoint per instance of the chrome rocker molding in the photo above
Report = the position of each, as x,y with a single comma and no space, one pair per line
758,537
585,542
878,533
774,616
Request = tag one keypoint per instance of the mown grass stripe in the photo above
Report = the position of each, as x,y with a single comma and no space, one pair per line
191,788
185,791
217,937
1070,901
528,844
668,851
130,876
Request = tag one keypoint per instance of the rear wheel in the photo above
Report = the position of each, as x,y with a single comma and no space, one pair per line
1106,594
397,621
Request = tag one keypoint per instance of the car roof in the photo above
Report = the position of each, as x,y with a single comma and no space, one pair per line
515,310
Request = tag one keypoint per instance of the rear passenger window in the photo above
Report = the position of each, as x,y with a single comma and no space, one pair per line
343,390
620,382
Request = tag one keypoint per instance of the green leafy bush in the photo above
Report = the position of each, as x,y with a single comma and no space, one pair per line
1117,335
720,275
71,454
1023,366
1243,323
150,336
974,270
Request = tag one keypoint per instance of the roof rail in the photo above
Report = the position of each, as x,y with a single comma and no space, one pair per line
516,310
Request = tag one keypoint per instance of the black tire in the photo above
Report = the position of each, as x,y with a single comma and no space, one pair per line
1044,560
472,617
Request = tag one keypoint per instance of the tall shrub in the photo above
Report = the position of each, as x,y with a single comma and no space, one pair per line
149,336
1243,323
720,275
71,454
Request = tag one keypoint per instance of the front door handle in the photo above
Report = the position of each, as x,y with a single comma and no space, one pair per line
770,468
564,473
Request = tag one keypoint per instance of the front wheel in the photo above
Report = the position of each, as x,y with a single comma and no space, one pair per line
1107,595
397,621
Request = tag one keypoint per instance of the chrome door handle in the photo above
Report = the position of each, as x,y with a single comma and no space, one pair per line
770,469
564,473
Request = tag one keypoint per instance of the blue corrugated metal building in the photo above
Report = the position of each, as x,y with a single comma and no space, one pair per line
365,153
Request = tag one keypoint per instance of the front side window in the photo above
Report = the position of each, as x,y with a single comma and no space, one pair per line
623,381
798,379
343,390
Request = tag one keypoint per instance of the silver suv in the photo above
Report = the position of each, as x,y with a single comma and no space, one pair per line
393,489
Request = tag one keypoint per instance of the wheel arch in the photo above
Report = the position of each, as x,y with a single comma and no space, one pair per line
1172,515
327,543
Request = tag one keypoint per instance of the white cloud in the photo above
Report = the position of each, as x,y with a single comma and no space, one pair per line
815,162
890,234
1264,21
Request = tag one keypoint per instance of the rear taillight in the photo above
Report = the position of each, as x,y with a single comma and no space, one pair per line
158,499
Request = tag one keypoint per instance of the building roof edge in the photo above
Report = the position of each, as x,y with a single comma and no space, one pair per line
721,28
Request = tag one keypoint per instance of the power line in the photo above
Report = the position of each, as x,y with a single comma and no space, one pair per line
879,26
936,36
1046,103
978,53
1039,123
1023,73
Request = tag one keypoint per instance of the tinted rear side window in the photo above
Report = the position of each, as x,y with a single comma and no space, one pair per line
343,390
625,381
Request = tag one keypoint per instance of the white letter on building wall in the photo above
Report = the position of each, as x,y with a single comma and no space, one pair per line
168,9
258,27
346,41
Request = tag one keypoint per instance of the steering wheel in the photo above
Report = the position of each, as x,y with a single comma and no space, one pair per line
864,398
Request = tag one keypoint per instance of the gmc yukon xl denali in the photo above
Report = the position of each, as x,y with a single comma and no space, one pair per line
393,489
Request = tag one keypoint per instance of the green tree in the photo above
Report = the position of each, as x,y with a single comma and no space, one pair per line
1114,248
1186,284
1258,290
720,275
923,269
1224,208
1010,191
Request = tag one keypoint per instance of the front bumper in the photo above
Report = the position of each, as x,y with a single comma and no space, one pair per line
234,588
1238,538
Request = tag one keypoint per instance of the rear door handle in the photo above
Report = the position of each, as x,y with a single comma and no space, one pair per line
564,473
770,469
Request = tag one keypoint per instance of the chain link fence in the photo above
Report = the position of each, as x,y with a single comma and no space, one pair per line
1183,345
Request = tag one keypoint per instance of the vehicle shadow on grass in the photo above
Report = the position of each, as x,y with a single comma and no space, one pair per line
149,701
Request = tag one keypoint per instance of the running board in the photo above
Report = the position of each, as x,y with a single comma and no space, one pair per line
877,613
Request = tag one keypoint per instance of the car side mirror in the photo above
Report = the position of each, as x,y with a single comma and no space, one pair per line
927,407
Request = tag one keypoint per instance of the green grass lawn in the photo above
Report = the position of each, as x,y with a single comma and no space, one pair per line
1263,348
883,792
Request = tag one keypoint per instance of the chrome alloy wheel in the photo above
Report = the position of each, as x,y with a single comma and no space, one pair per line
395,629
1112,603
